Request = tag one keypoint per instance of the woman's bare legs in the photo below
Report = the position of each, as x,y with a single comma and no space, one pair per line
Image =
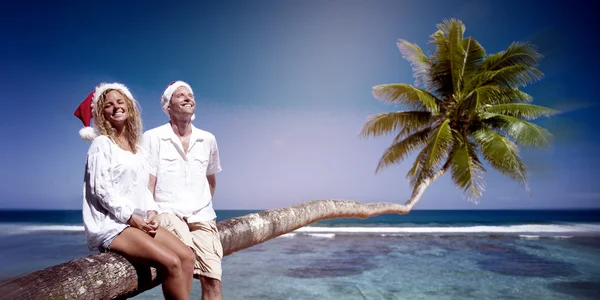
186,254
139,247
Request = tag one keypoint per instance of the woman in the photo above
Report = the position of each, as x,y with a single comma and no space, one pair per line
119,212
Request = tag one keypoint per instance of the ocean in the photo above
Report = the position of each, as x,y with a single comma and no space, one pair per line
427,254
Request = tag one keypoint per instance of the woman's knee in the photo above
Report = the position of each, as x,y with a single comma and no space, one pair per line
171,263
188,258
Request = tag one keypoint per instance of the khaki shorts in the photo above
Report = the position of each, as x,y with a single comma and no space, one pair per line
203,238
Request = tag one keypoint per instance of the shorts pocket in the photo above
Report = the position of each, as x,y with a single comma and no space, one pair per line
217,247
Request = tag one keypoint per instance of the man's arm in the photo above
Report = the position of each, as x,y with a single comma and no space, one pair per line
214,166
152,184
212,182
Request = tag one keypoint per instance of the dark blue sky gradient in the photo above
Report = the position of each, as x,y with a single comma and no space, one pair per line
275,82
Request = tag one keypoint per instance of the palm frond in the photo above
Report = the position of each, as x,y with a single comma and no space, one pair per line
521,110
406,94
381,124
492,94
416,175
442,52
466,168
418,60
524,133
447,25
510,76
469,104
474,55
413,173
437,149
483,95
441,80
518,53
446,70
440,71
515,95
504,95
503,100
406,131
502,154
398,151
456,53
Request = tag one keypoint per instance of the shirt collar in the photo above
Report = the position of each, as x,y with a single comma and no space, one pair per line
169,134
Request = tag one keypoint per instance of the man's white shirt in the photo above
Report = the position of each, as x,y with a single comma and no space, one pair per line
181,184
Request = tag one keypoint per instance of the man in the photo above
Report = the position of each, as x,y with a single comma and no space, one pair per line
184,161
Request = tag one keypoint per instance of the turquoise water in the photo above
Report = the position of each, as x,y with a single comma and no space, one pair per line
424,255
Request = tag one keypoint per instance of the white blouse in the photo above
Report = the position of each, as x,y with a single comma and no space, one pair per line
115,187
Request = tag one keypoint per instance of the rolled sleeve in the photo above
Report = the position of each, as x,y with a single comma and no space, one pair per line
101,183
214,164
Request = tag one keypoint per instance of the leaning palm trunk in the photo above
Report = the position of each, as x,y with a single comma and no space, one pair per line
110,276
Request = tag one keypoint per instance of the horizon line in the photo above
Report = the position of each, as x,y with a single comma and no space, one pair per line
259,210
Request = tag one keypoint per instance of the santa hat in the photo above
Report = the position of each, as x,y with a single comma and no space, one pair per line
166,97
85,110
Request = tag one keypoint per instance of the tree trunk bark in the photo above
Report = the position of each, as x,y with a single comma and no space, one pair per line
111,276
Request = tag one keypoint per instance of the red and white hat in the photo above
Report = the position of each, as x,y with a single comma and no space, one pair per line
85,111
166,97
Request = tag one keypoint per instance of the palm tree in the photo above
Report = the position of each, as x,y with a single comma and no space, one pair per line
465,105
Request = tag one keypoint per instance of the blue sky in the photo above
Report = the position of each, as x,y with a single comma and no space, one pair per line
285,86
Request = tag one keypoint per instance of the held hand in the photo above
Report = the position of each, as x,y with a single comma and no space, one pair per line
136,221
152,222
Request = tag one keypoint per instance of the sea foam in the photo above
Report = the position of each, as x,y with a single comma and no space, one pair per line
526,231
504,229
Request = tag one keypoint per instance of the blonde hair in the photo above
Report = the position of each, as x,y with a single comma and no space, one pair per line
134,121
